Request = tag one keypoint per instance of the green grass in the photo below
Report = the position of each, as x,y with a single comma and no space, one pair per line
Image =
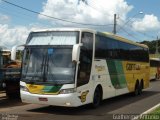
156,111
154,115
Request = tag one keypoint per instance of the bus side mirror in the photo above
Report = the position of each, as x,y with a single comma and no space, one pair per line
76,52
13,51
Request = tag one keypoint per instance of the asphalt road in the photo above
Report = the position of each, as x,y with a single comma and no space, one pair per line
110,108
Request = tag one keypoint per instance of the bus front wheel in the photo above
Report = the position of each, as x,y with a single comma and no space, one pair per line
136,90
97,97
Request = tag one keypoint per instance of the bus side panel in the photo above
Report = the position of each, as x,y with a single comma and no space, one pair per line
158,72
136,71
153,72
110,75
102,76
116,71
117,75
124,74
99,76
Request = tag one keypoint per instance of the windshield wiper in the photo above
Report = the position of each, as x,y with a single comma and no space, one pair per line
28,81
44,67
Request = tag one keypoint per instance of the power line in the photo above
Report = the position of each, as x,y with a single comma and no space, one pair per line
35,12
93,2
125,23
144,34
123,28
92,5
18,14
129,34
129,19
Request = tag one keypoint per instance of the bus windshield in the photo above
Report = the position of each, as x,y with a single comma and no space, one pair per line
48,57
48,65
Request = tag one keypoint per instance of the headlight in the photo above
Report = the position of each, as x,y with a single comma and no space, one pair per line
24,88
67,91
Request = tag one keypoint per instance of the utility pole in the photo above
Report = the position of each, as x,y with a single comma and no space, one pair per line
157,53
115,24
127,21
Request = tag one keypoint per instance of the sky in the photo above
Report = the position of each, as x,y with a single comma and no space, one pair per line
137,20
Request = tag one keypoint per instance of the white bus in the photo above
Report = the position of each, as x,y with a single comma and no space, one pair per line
75,66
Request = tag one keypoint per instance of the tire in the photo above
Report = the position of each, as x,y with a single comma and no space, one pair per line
136,90
97,98
140,88
13,95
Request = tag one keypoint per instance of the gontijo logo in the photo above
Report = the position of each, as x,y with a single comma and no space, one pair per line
131,66
83,96
99,68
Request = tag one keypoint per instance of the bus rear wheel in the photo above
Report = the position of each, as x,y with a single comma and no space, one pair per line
140,87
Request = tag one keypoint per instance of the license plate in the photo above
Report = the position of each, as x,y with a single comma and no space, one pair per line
43,99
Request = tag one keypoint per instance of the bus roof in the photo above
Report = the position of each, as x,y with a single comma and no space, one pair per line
64,29
111,35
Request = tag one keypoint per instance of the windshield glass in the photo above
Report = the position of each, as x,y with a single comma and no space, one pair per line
52,65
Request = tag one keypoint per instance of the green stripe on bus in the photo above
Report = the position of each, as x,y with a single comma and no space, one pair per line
51,89
116,72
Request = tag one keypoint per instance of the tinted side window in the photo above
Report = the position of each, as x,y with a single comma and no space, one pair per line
85,59
108,48
112,49
100,47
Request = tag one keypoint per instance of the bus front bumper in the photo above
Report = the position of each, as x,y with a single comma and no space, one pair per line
67,100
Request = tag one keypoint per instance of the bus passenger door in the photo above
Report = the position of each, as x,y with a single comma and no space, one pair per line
84,69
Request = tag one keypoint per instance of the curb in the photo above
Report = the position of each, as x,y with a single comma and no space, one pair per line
146,112
151,109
